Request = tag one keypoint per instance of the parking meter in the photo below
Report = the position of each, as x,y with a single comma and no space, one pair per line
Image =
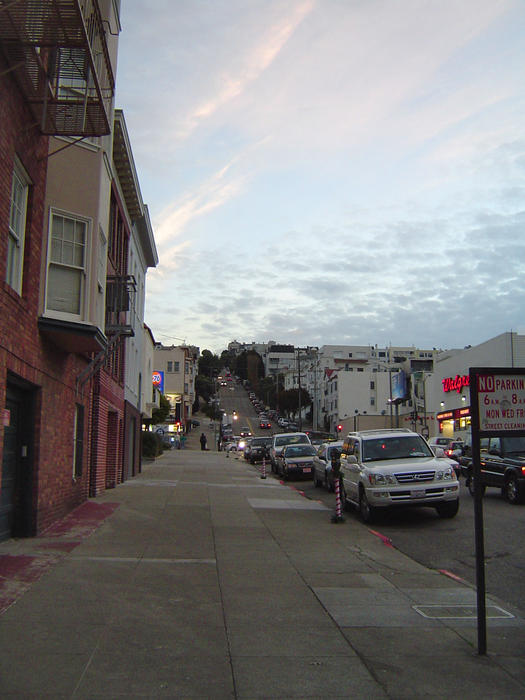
335,459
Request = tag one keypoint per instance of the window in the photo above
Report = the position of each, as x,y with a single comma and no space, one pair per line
78,444
66,264
173,366
17,228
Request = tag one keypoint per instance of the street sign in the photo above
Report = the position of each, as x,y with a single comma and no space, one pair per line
497,401
501,402
157,379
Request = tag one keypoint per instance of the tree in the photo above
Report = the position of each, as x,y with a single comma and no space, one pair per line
209,364
289,400
159,415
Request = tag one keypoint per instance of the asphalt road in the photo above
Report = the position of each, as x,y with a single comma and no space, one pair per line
436,543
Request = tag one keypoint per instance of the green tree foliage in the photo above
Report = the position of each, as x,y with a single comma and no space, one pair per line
159,415
209,364
204,387
289,400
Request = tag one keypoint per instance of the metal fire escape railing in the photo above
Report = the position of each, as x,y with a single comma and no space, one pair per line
120,301
58,54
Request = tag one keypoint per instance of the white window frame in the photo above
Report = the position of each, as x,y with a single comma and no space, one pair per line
84,269
17,227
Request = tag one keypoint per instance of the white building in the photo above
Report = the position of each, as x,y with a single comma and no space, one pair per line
449,390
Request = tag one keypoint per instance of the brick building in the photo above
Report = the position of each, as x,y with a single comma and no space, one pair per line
65,290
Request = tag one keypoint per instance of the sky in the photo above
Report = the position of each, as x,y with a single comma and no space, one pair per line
346,172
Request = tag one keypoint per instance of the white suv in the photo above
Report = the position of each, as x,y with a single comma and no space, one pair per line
281,440
387,468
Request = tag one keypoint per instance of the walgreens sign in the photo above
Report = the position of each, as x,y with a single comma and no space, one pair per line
455,383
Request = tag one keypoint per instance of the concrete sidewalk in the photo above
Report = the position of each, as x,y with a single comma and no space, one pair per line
199,579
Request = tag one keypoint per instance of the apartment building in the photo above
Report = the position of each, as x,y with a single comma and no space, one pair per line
77,240
178,366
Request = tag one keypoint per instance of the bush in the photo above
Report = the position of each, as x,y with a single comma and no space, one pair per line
151,444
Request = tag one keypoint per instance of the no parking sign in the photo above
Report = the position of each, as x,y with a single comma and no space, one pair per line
158,380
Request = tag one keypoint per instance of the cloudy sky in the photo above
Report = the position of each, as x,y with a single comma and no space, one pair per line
330,171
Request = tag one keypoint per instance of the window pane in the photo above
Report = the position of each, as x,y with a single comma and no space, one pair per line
64,288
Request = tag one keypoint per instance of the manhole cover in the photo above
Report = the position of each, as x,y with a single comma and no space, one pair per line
460,612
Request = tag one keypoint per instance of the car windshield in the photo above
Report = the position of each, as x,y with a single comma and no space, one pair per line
515,444
395,448
300,451
290,440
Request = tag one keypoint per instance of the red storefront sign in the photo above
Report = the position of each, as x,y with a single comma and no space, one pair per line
455,383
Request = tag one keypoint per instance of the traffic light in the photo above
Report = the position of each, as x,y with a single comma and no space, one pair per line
339,428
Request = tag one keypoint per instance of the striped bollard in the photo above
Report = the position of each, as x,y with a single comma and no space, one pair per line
338,515
263,475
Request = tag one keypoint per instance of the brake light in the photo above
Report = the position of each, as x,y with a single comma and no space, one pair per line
523,471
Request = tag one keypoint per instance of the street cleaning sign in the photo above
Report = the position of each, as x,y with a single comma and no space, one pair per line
497,408
501,402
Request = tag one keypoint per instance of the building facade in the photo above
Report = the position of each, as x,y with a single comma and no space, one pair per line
178,366
52,316
75,226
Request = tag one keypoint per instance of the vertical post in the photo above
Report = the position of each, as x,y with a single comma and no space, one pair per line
336,466
478,513
263,475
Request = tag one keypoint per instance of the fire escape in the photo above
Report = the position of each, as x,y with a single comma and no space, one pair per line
120,305
58,54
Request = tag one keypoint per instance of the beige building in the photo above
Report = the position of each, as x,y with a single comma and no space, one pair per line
178,367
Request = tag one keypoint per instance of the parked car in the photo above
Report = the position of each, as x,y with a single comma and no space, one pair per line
292,427
318,438
442,441
322,463
455,449
281,440
390,468
296,460
259,448
502,465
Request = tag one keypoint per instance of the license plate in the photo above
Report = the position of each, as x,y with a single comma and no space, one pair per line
418,494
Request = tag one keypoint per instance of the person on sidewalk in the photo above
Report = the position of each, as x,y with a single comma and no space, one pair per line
203,441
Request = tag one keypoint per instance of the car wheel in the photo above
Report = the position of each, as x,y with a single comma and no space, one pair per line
511,491
470,485
366,511
448,509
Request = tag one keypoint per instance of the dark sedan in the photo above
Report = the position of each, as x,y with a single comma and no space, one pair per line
296,460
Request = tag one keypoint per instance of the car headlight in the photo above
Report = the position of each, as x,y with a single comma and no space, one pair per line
445,474
381,479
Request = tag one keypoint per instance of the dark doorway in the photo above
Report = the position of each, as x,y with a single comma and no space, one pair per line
17,472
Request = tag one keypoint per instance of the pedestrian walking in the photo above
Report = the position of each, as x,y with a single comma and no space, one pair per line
203,441
177,441
182,441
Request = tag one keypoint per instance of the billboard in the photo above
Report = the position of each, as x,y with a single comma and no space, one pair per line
399,386
157,378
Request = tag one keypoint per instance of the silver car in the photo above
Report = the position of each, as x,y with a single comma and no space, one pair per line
322,463
280,440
